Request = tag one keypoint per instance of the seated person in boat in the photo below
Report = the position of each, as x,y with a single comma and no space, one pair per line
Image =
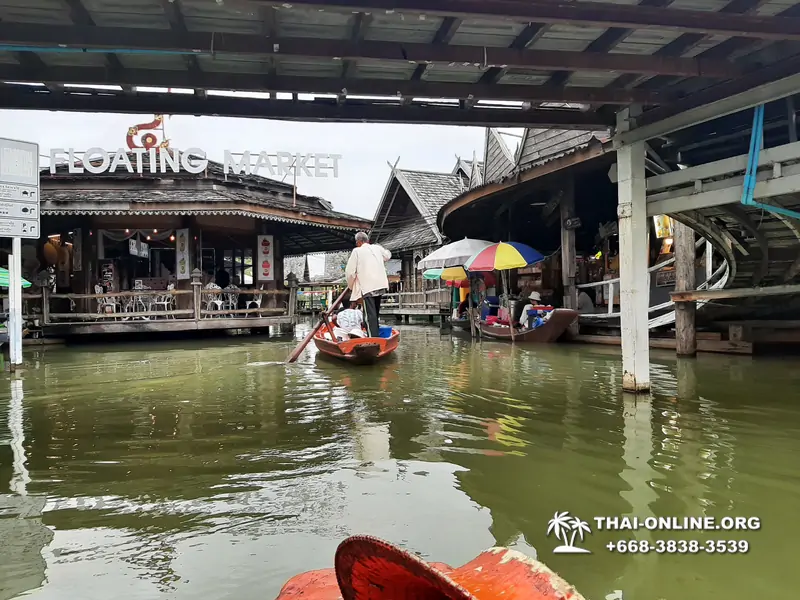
534,313
350,318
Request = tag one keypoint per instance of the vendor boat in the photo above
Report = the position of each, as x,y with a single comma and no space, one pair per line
547,333
357,350
367,568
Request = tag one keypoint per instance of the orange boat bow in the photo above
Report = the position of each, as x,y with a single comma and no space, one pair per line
371,569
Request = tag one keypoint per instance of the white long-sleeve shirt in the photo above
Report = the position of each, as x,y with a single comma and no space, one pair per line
366,269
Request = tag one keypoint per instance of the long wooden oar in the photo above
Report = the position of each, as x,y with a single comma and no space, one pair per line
302,345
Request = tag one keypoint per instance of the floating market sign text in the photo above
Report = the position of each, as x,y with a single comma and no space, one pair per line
193,160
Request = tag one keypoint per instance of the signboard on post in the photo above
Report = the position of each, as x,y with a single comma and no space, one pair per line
19,189
183,265
265,266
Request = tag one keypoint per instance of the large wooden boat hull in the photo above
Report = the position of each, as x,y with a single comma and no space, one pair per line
358,351
546,334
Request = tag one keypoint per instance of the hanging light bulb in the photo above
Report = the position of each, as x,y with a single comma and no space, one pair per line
148,238
155,230
127,231
172,238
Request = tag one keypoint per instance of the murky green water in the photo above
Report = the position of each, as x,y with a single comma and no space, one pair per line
210,470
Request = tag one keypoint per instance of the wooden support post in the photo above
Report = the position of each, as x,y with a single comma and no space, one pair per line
197,285
709,260
292,281
634,290
569,264
685,333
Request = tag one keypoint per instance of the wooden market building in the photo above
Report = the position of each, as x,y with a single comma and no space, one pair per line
125,252
560,196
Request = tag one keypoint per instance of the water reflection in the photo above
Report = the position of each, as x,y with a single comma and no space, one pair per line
206,470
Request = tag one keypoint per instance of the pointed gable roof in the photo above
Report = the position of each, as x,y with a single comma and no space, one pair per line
540,146
498,159
428,192
467,168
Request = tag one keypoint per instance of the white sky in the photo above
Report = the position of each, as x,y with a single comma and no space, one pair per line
365,148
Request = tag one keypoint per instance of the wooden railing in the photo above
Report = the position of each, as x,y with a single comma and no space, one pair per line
612,285
425,299
197,303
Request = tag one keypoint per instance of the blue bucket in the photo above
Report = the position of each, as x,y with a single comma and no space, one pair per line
384,332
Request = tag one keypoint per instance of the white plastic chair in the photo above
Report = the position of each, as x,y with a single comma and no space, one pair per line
166,302
255,302
213,300
103,303
231,297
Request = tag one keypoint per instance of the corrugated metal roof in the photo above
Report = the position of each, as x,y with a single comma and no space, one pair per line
572,38
305,22
233,17
498,34
397,27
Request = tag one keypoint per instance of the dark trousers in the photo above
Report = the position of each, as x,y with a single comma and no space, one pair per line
372,306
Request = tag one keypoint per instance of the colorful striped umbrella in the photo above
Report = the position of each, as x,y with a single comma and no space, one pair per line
447,274
4,279
457,276
503,256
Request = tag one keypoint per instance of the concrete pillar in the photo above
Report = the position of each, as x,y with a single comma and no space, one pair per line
685,332
633,250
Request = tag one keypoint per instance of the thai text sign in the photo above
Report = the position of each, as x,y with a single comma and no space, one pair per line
194,160
266,259
138,248
183,267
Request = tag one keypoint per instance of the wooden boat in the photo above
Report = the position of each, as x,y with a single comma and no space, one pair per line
359,351
461,324
546,334
366,568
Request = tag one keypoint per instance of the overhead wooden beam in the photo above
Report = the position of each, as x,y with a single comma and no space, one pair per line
683,43
317,110
193,43
606,42
358,28
447,29
765,85
527,37
312,85
583,13
32,61
79,15
269,28
172,10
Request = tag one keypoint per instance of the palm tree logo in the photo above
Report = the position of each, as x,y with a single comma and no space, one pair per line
566,528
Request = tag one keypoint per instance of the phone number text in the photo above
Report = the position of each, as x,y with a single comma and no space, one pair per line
679,547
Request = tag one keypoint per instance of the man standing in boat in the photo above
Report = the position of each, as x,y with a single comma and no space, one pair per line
366,277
